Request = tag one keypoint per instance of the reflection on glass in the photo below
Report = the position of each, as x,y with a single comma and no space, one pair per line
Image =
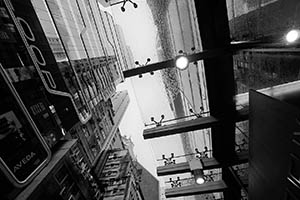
83,44
18,140
18,64
61,57
267,21
76,34
257,70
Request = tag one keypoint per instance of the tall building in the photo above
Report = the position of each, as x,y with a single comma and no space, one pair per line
60,64
114,42
130,57
127,53
117,142
120,175
148,183
120,102
128,144
66,176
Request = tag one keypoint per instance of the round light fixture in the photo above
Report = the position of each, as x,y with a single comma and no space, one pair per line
182,62
198,175
292,36
200,180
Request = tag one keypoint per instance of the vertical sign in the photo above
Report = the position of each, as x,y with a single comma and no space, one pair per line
15,60
23,153
28,26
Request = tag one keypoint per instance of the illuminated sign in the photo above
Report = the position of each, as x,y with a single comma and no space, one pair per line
23,152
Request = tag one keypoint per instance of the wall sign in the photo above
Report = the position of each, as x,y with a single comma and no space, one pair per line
18,64
27,24
23,152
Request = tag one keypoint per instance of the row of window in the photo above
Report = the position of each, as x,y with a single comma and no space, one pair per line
79,31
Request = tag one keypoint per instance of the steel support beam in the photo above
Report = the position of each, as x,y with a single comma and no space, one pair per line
180,127
211,53
209,187
171,63
215,34
234,189
208,163
148,68
179,168
214,31
242,182
190,125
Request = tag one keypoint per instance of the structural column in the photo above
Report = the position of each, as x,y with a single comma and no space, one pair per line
214,31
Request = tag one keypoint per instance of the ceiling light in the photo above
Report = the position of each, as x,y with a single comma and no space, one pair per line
292,36
182,62
200,180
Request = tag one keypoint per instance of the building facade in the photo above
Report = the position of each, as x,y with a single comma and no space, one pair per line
61,63
120,102
128,144
127,53
67,176
148,183
120,176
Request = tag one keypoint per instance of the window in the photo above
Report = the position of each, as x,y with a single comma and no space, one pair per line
61,174
110,173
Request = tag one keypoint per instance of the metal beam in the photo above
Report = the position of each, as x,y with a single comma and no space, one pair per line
234,189
209,187
211,53
242,183
171,63
190,125
148,68
180,127
208,163
273,50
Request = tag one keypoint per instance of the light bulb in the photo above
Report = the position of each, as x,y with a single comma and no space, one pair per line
292,36
182,62
200,180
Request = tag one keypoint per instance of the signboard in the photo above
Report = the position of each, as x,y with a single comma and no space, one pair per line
23,152
25,24
15,60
